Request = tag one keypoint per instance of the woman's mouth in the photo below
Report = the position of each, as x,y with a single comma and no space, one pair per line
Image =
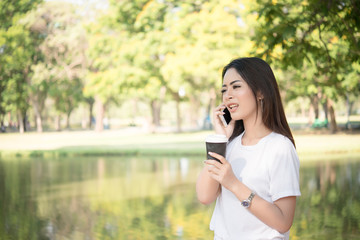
233,107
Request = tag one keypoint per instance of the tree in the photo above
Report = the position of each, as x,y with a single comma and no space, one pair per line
203,37
317,35
145,53
64,62
104,79
124,57
17,51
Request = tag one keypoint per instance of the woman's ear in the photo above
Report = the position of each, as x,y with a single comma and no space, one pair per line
259,96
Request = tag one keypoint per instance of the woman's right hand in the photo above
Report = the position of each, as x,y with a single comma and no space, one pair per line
219,126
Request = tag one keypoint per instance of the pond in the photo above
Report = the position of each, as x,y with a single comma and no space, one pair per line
153,198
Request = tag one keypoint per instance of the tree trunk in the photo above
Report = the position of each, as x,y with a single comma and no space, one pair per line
91,106
2,126
178,113
68,120
311,114
25,122
326,109
38,117
333,125
314,102
155,112
349,105
100,113
20,121
57,122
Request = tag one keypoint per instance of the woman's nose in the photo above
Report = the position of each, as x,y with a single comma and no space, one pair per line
228,96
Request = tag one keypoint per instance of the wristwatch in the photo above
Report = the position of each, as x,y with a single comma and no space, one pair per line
247,202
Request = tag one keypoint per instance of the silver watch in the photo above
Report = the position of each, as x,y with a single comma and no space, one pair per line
247,202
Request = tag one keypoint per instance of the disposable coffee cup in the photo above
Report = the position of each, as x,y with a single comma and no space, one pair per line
216,143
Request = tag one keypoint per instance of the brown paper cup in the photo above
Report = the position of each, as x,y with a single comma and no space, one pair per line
216,143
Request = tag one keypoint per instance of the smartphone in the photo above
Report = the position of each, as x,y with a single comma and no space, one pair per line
226,118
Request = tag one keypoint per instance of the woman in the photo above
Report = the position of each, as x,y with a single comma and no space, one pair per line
256,185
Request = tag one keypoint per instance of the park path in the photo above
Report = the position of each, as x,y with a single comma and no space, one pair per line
308,145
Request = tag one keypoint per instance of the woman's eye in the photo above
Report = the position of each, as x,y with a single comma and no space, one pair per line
236,86
223,90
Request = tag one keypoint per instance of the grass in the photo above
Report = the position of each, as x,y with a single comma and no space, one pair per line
310,146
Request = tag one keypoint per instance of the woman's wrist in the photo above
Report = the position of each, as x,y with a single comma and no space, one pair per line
240,190
235,186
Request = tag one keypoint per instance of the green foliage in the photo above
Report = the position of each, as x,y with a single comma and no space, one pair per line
202,39
316,43
123,51
12,10
16,54
59,72
150,50
142,47
311,37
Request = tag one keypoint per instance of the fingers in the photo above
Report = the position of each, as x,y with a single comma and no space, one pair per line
220,171
218,113
218,156
213,163
212,169
214,166
219,126
219,110
220,107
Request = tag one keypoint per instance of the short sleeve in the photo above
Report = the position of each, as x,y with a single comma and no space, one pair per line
284,171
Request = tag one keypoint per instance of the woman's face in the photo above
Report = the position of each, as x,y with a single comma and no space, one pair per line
238,96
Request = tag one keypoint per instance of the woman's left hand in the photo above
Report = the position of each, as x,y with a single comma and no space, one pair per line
221,172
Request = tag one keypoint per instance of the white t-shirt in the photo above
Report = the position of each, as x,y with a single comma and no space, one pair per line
270,169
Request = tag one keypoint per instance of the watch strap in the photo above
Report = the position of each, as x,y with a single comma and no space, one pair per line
252,195
247,202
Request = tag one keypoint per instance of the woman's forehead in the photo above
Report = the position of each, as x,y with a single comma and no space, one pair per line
232,75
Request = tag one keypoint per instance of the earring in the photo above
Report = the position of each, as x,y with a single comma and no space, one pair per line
261,104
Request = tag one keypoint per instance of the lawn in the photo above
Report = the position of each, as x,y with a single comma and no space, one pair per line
310,146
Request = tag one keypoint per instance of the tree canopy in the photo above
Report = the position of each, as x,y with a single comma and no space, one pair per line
317,41
53,54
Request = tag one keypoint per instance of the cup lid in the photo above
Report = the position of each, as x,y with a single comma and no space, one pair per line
216,138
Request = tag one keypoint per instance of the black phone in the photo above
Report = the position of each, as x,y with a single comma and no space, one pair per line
226,118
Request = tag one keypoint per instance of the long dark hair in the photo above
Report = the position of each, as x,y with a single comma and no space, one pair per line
260,78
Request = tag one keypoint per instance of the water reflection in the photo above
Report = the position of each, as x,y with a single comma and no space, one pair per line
329,207
152,198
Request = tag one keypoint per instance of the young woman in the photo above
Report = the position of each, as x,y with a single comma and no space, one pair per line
256,184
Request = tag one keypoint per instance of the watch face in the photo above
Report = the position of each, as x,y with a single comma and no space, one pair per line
245,203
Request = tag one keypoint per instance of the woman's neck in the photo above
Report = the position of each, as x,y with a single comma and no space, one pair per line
254,132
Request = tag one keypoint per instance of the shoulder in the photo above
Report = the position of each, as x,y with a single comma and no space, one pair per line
280,148
280,142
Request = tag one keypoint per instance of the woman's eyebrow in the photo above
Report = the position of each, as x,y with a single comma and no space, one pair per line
224,85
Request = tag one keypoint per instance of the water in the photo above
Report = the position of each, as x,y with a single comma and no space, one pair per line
153,198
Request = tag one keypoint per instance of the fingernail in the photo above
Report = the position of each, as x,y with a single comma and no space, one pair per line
210,153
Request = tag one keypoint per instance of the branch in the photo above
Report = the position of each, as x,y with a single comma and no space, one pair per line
350,30
326,48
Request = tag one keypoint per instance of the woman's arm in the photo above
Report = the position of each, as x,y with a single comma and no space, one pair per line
207,189
278,215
